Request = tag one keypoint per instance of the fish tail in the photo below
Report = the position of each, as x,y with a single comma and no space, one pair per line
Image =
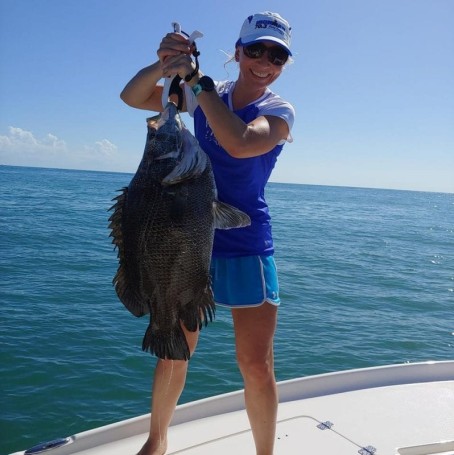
171,345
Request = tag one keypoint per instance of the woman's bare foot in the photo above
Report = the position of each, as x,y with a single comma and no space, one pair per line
154,448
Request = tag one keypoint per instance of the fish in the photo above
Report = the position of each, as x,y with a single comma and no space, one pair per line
162,226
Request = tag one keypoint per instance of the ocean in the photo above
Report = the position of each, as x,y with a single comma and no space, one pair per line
366,276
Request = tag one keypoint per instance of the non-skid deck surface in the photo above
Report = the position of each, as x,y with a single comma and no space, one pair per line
396,420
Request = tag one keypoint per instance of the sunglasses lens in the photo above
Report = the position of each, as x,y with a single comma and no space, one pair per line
276,55
254,50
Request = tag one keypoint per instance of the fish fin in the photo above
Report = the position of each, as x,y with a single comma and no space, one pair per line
227,217
196,316
193,160
115,218
127,295
165,344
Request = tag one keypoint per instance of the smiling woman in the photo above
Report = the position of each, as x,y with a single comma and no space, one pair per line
233,120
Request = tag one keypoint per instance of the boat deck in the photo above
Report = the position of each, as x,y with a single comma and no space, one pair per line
383,421
371,412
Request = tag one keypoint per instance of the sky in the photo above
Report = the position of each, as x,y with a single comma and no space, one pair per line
372,83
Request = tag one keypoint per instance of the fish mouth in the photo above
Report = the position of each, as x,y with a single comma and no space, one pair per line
169,111
166,127
158,121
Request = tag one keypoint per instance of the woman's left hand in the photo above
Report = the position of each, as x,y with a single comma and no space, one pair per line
175,56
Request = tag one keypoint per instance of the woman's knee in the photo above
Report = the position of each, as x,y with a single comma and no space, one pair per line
256,369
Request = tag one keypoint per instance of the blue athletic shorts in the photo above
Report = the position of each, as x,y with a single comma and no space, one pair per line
245,281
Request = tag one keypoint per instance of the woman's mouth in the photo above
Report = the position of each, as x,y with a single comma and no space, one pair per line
261,75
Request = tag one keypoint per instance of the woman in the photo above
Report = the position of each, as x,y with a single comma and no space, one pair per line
242,126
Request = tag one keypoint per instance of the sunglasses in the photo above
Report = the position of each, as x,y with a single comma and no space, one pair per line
276,54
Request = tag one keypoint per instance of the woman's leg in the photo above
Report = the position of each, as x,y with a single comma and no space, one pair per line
254,333
168,383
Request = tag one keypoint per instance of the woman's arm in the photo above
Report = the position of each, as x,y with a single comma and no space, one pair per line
143,90
240,139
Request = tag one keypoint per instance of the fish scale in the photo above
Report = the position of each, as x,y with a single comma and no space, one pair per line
163,228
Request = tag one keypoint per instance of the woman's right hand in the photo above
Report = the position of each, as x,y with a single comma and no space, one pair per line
174,55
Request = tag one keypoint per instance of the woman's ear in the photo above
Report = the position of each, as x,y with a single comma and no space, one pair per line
237,55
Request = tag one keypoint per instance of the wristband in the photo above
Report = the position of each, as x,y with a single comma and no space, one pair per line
205,84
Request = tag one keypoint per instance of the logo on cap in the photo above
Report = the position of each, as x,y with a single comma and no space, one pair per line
264,23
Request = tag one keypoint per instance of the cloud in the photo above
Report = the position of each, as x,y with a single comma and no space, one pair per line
21,147
19,140
105,148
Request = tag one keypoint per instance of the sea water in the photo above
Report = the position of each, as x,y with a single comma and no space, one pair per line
366,276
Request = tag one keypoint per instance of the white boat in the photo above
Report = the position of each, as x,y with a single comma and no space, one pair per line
403,409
